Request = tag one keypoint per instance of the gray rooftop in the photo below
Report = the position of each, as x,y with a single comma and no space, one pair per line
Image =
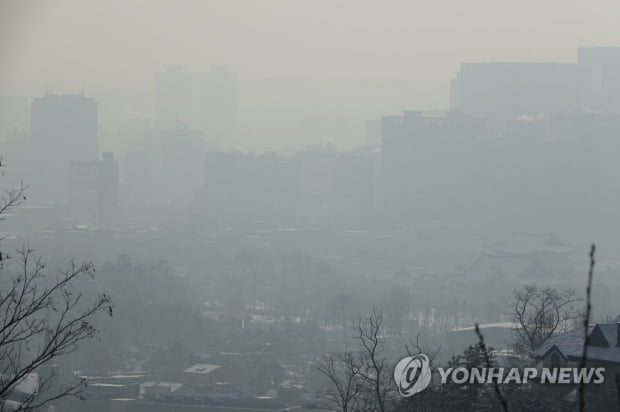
603,344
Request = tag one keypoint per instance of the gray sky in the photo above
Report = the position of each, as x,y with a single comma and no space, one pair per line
360,58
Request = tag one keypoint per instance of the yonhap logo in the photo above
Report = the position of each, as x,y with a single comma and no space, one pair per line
412,375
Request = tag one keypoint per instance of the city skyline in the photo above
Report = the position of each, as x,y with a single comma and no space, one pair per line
570,86
295,64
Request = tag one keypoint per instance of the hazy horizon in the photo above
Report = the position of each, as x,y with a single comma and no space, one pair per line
294,60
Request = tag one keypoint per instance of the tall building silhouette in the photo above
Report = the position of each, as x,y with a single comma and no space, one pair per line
500,92
63,130
92,196
82,199
249,187
178,163
138,176
420,154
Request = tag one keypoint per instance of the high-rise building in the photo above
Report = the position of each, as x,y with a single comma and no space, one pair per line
218,104
138,177
63,129
500,92
336,189
92,196
82,198
178,162
421,154
247,187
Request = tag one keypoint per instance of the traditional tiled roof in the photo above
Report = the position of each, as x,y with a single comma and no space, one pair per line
603,344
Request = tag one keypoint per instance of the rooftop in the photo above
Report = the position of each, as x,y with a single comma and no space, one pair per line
202,368
603,344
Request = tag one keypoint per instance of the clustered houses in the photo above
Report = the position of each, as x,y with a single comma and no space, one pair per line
201,387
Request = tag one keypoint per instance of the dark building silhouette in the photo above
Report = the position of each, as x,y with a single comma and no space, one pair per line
93,191
63,130
423,155
82,199
499,92
246,187
178,161
336,189
138,177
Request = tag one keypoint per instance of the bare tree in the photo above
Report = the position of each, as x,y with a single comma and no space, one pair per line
41,318
540,314
375,370
432,354
347,383
427,400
